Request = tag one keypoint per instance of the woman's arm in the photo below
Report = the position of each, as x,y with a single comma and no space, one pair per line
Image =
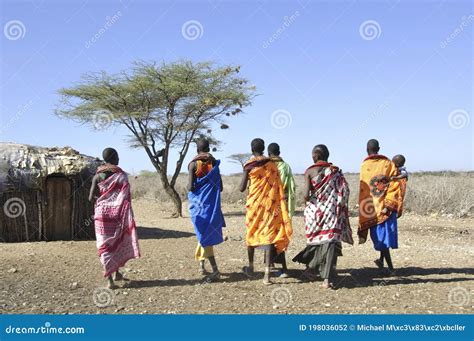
307,185
191,176
244,182
93,193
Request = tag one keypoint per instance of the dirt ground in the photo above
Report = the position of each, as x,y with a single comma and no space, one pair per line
434,260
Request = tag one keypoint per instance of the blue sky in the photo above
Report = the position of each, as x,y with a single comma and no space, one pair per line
333,72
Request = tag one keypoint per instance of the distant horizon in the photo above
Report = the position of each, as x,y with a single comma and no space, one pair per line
136,173
151,170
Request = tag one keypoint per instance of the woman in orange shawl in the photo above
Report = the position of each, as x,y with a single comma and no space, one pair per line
379,200
267,220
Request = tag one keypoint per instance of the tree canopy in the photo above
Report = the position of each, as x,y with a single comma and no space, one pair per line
165,106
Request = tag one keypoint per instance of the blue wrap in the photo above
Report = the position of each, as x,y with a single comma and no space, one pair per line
385,235
205,208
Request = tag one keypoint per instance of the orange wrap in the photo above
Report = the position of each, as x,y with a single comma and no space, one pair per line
267,218
377,192
403,190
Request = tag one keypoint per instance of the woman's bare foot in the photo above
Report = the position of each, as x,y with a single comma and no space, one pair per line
215,276
379,263
266,277
327,285
110,283
248,270
119,277
202,269
389,272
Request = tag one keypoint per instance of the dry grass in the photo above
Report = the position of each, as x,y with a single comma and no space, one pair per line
444,193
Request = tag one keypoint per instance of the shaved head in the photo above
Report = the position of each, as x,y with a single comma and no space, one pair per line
320,153
202,145
110,155
273,149
258,146
373,146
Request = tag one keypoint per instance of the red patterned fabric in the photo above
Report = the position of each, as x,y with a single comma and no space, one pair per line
115,228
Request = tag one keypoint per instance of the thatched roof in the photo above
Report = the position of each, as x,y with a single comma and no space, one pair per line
24,166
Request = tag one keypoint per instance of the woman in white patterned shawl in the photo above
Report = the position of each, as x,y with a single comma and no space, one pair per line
326,216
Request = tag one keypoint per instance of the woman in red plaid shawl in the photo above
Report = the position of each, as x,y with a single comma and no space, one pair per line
326,216
115,228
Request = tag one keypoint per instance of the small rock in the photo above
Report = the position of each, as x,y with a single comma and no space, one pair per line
73,286
12,270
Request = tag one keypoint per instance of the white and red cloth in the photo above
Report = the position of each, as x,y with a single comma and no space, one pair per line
115,228
326,214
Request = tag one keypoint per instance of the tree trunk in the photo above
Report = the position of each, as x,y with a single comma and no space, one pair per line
172,193
178,204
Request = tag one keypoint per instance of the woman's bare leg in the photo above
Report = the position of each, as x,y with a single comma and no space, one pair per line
268,261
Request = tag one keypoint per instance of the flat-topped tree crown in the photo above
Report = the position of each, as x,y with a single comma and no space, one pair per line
165,106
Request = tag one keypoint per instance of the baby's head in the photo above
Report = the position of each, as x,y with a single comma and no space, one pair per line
399,160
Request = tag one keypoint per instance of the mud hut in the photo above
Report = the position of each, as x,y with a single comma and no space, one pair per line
44,193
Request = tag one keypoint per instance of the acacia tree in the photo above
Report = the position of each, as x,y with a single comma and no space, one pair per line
240,158
165,106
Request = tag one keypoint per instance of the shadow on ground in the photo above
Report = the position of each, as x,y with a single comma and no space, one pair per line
157,233
349,279
229,277
366,277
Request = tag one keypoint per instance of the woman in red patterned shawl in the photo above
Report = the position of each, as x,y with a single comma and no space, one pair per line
115,228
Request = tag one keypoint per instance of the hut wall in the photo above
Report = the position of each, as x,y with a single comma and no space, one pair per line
83,211
20,216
